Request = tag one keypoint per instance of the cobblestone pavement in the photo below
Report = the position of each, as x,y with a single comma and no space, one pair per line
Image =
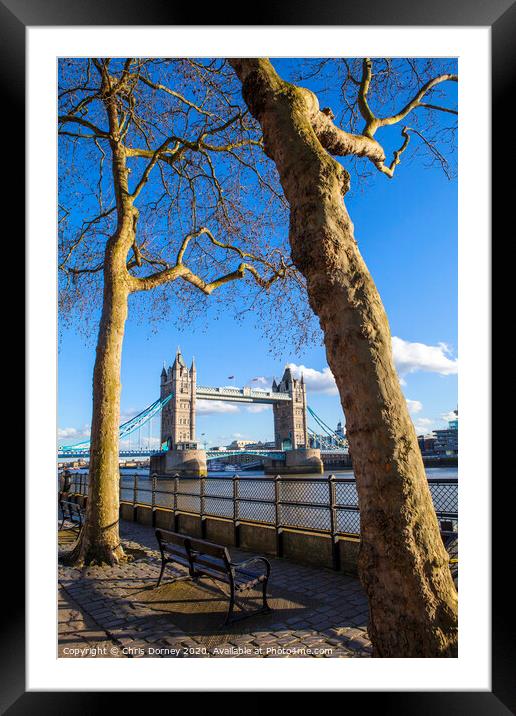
100,616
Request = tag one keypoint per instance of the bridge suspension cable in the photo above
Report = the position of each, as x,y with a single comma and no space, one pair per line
326,428
131,425
325,442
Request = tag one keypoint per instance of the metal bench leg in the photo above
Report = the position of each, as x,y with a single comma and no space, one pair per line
161,573
230,610
265,603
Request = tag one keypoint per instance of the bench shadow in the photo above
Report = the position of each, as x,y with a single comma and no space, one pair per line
199,609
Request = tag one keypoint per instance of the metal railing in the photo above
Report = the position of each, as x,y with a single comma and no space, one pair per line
324,505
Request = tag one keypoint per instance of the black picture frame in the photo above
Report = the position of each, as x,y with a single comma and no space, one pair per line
500,16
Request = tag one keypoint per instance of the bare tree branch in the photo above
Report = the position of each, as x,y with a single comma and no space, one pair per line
63,119
416,101
170,274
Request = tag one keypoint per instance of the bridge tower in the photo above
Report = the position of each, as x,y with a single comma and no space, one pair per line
178,415
290,431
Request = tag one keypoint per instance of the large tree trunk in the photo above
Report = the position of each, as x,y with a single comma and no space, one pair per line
403,564
100,539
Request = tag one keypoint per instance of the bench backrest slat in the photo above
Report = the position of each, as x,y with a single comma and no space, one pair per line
213,564
174,549
210,549
202,556
170,537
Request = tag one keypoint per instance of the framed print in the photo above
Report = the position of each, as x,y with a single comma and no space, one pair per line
258,288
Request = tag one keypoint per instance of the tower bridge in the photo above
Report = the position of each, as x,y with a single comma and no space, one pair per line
178,417
179,387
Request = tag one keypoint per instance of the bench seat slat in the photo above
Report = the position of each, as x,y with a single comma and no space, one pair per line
207,572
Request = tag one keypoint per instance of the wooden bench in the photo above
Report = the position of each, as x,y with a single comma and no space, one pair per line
72,512
206,559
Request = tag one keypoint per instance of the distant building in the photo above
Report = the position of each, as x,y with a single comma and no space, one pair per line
239,444
261,445
426,443
444,441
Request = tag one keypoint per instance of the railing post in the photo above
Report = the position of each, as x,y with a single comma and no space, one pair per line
335,549
176,517
135,494
277,516
202,489
153,500
236,523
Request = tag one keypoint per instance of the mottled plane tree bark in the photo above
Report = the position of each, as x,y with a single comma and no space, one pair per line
145,136
403,564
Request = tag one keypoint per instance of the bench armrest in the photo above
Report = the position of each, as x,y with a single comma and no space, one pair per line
245,563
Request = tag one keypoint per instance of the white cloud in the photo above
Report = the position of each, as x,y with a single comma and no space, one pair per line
411,357
67,432
257,408
424,425
73,435
449,416
317,381
215,407
414,406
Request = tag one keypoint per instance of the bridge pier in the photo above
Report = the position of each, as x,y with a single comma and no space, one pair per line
301,461
185,463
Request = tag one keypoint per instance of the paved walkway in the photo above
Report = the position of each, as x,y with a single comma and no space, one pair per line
102,612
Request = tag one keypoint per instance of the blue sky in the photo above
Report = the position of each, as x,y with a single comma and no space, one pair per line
406,229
